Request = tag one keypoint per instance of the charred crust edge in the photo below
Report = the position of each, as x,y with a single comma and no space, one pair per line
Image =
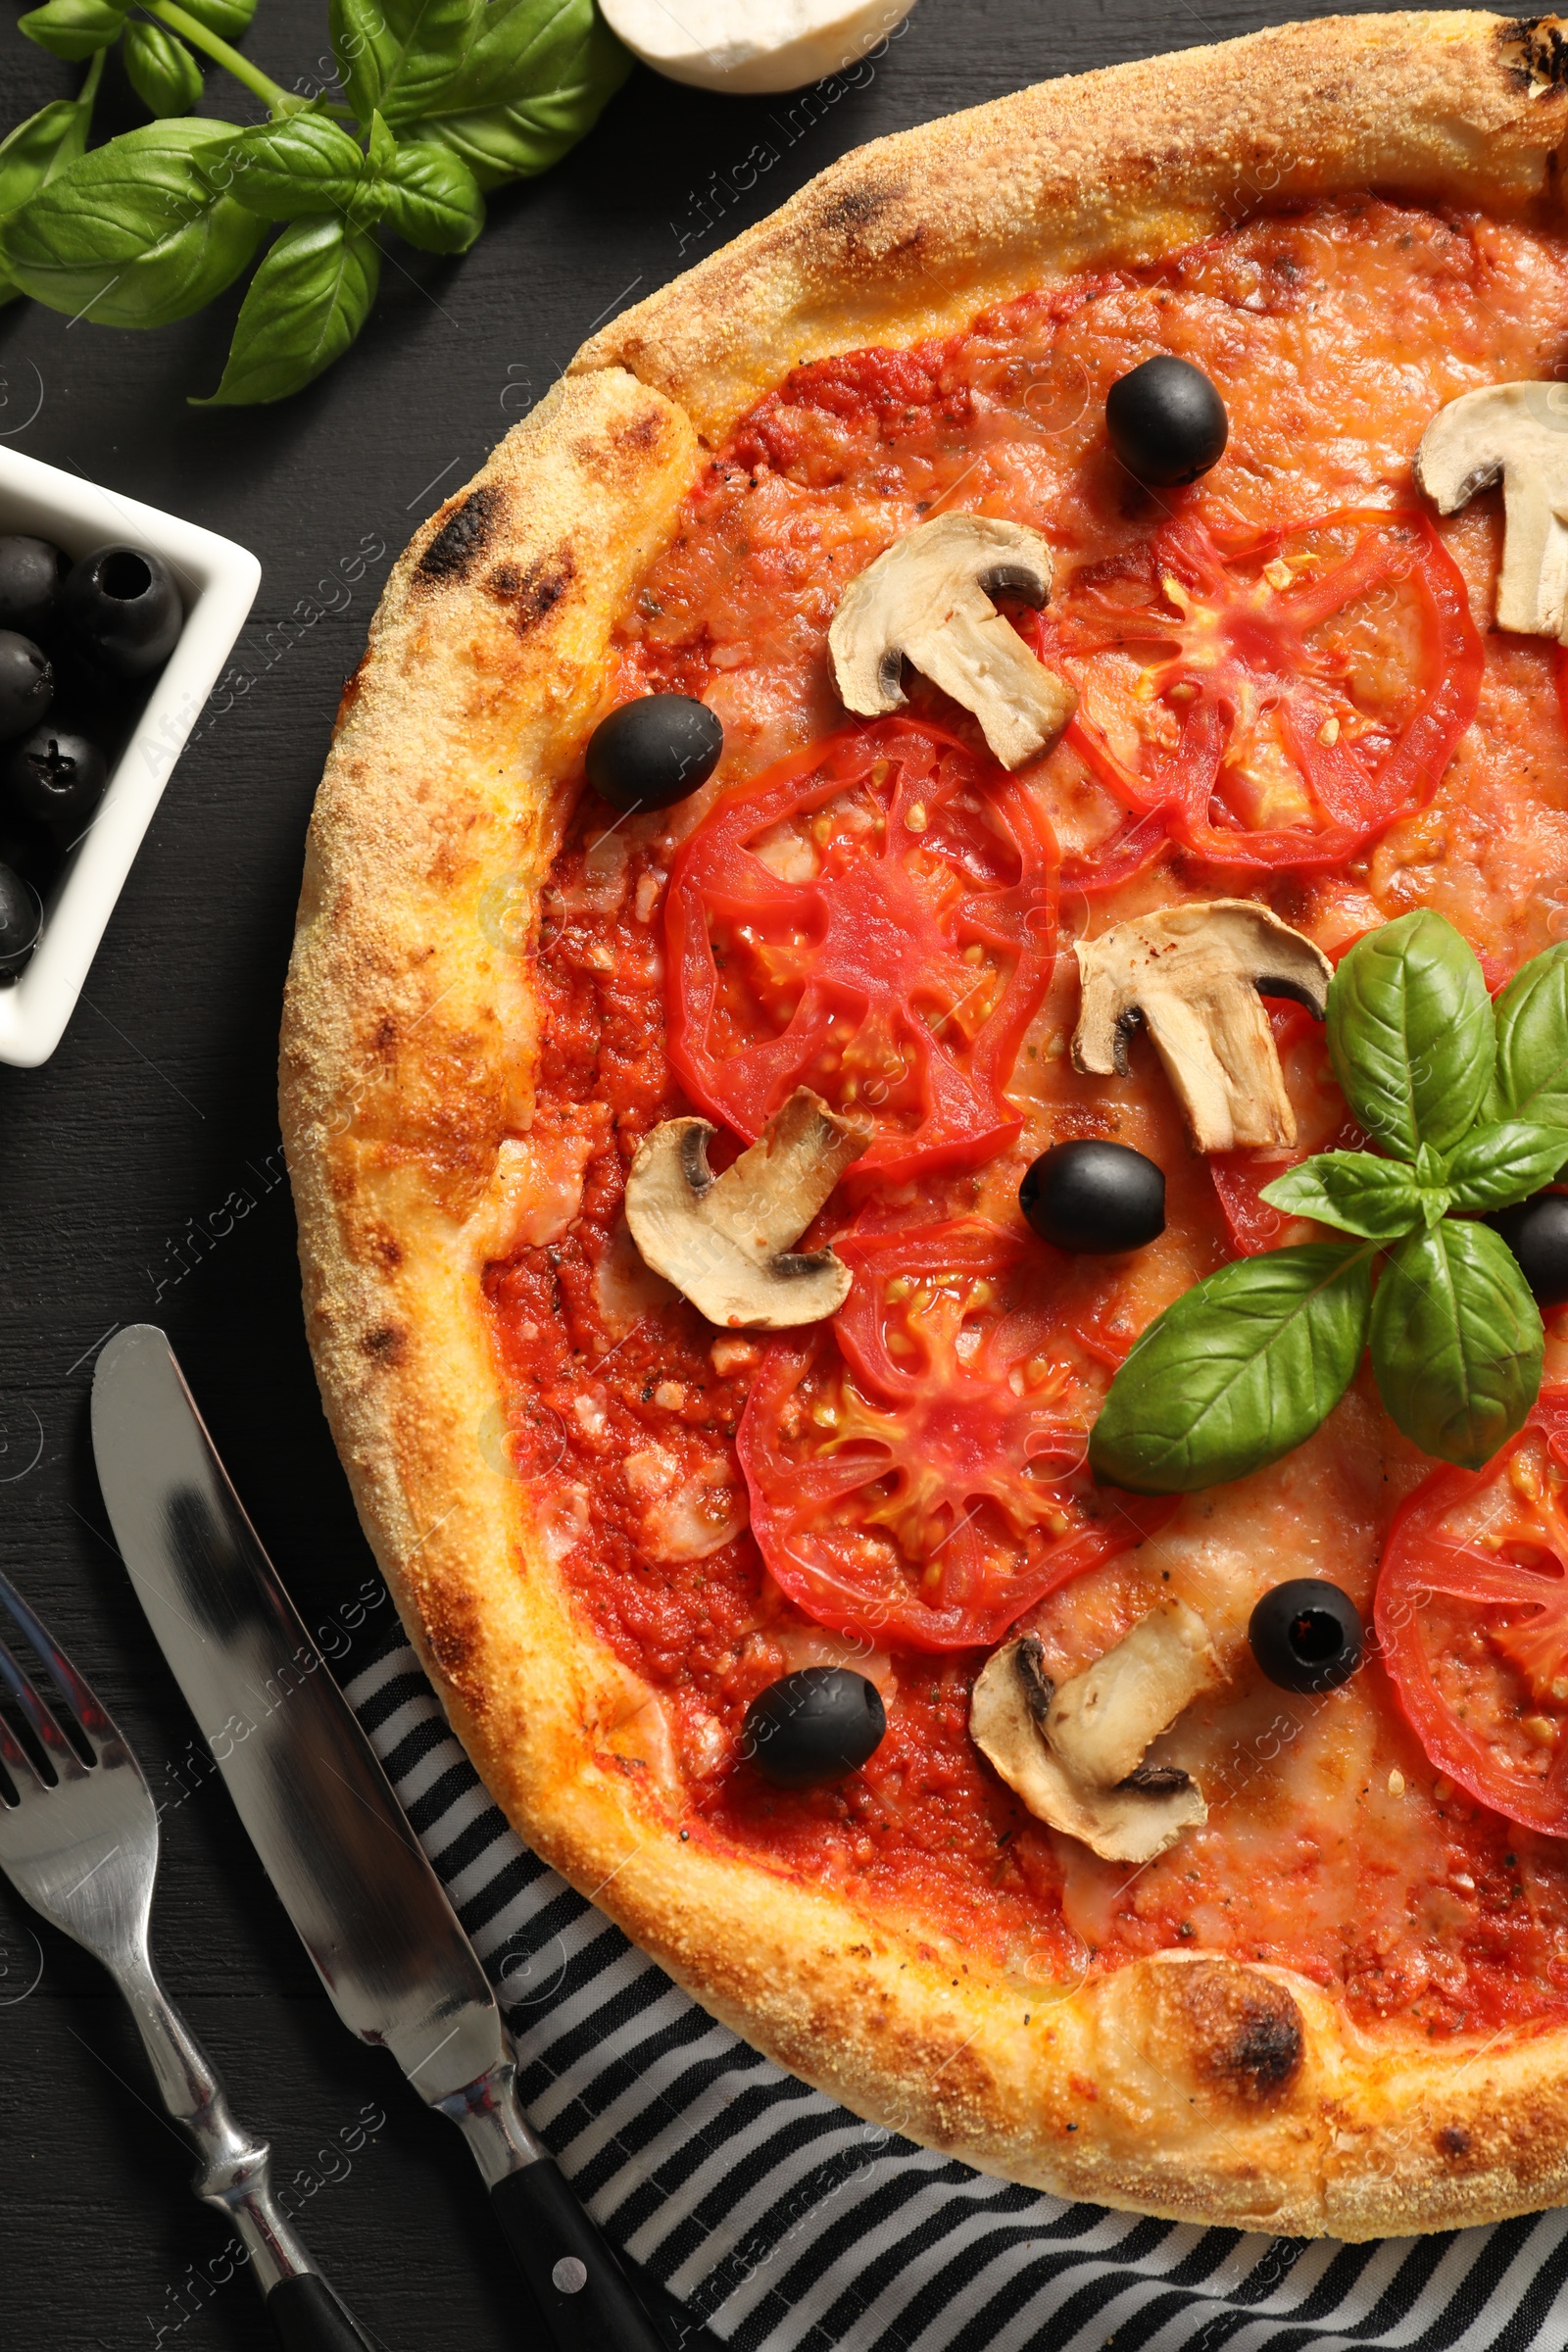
463,538
1534,52
1250,2034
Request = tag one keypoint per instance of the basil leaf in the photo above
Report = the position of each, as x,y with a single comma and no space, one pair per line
1378,1198
1456,1343
162,72
133,232
74,28
1412,1033
1496,1166
532,81
302,310
305,163
1236,1371
1531,1080
396,59
42,146
429,196
229,19
380,147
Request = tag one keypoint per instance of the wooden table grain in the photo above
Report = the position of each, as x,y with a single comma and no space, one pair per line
141,1175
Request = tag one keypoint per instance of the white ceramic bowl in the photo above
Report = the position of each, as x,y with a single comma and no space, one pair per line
218,582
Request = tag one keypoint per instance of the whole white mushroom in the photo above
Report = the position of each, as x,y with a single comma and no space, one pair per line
748,46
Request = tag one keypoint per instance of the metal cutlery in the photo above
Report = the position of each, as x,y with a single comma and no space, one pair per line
78,1841
320,1812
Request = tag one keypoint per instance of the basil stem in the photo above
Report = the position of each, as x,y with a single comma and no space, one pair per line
259,84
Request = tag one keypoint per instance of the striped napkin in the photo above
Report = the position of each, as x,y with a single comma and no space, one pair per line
780,2221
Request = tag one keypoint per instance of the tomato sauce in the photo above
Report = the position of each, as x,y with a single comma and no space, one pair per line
1333,1844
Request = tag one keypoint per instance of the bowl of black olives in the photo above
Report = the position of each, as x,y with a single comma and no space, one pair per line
115,622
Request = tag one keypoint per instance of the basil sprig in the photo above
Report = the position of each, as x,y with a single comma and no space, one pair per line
445,100
1468,1102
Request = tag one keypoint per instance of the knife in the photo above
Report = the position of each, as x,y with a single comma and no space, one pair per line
320,1812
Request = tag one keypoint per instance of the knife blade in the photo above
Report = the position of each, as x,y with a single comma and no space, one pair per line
320,1812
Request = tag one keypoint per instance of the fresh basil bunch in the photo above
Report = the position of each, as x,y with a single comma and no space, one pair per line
1469,1103
446,100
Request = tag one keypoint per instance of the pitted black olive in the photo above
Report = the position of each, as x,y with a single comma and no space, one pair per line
122,608
1537,1231
1166,421
26,683
56,776
1306,1634
813,1726
30,574
1094,1197
653,751
19,923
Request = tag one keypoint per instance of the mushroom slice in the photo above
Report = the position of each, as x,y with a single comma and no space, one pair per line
1102,1721
1012,1721
1518,432
725,1241
928,600
1194,973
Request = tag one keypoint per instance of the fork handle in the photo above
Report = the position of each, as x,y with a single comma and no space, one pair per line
235,2174
308,2318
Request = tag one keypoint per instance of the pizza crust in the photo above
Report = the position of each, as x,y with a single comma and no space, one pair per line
1191,2086
912,235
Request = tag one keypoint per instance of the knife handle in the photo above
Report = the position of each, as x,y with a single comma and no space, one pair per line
578,2285
308,2318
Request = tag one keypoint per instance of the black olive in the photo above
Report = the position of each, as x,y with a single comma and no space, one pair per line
26,683
816,1725
1166,421
122,606
1537,1231
30,574
1094,1197
19,922
56,775
1306,1634
653,751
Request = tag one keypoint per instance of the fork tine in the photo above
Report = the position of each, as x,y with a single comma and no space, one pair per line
25,1774
67,1764
76,1692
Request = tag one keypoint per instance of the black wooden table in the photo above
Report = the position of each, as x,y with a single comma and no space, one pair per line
124,1163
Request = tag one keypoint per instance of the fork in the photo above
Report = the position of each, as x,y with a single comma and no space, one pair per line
78,1841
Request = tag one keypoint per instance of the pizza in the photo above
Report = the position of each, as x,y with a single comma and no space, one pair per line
924,1071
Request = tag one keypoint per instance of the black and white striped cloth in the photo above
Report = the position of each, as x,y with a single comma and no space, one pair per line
787,2225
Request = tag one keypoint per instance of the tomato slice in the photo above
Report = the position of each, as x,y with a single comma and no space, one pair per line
1281,702
918,1470
877,920
1472,1617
